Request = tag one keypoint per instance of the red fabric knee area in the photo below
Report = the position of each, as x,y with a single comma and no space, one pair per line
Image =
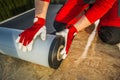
70,10
46,0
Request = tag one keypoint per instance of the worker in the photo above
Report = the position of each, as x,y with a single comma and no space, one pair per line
69,22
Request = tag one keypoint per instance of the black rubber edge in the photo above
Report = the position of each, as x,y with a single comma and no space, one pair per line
119,8
52,57
89,1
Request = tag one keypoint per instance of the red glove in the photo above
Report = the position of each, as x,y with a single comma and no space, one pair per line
27,37
69,35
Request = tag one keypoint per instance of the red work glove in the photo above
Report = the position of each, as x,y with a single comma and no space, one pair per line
69,35
27,37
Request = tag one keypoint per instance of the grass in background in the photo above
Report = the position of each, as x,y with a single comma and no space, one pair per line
9,8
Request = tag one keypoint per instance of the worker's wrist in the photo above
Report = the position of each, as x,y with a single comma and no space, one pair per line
46,0
39,20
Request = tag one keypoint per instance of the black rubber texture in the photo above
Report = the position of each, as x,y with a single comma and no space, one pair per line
119,8
89,1
52,57
59,26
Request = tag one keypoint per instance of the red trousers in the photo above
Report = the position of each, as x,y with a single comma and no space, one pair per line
69,13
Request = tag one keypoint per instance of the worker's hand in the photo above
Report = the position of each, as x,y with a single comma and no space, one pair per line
68,34
26,38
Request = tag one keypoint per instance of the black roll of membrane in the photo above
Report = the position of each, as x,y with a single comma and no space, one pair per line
44,53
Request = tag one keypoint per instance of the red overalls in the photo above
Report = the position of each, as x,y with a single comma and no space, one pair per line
106,10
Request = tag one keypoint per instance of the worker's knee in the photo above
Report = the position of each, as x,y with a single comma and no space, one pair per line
59,26
110,35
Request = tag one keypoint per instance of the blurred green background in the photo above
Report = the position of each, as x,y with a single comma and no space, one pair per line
9,8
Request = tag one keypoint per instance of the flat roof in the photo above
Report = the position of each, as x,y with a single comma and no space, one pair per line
23,21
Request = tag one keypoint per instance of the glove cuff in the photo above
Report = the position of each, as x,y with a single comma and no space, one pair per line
46,0
38,20
73,30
